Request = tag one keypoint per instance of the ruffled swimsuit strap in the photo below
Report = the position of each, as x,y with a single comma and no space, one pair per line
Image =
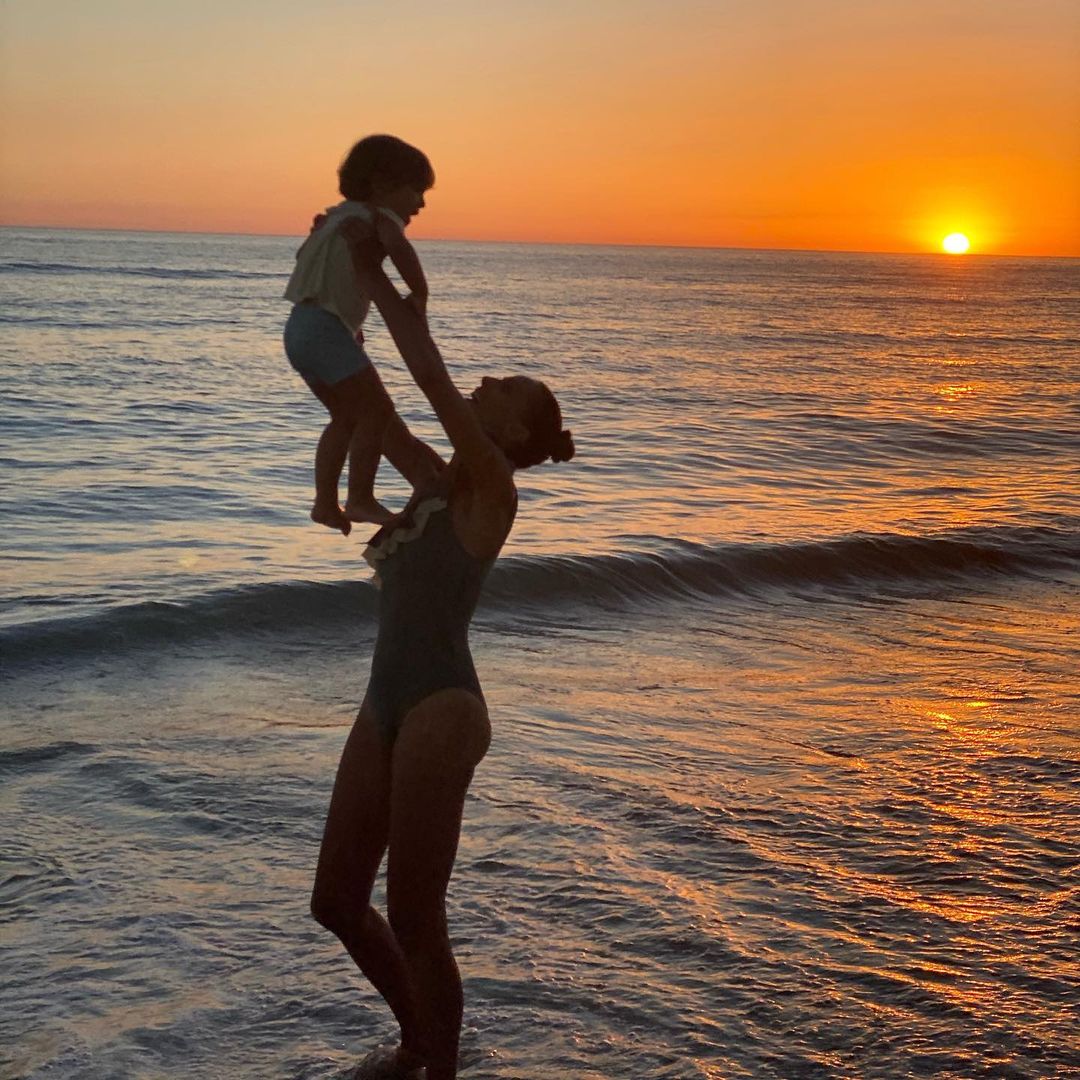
384,543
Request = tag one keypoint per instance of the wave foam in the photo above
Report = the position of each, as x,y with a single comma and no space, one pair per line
850,566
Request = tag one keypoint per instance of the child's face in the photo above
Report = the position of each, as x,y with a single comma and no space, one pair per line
405,200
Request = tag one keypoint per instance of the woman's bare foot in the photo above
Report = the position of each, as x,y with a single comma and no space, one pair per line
390,1063
332,517
368,510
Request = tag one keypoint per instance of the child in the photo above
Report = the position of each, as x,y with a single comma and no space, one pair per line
383,181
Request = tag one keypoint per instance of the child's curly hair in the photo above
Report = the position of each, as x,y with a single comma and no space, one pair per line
383,161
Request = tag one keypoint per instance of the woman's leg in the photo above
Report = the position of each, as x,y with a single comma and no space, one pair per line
440,743
354,840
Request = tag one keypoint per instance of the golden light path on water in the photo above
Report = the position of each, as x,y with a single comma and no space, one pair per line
781,669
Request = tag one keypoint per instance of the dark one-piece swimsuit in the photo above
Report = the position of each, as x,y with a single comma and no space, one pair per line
428,588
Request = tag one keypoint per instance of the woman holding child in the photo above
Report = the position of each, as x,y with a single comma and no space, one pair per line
423,725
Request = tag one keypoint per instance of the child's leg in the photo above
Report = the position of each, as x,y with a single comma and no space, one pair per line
365,449
330,454
359,408
414,459
332,363
374,410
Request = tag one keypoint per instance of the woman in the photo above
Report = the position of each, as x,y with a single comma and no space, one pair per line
423,726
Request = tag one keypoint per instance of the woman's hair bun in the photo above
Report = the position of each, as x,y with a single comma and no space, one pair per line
562,448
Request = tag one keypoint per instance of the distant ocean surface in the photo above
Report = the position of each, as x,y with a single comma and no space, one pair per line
784,668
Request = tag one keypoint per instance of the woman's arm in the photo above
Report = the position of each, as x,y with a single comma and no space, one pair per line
422,358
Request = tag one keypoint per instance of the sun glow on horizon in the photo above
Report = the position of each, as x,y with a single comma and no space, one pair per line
956,243
848,126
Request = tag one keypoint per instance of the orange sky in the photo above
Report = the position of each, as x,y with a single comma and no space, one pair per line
830,124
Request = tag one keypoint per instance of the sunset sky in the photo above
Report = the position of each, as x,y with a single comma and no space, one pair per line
828,124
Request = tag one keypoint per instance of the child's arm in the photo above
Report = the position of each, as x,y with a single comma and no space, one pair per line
403,256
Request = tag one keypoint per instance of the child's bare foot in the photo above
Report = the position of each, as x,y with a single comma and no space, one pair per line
332,517
368,510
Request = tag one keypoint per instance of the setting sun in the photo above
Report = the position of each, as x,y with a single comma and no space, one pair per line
956,243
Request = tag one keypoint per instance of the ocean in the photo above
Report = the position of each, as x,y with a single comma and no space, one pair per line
782,667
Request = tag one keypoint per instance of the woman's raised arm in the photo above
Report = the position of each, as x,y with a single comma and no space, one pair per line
420,353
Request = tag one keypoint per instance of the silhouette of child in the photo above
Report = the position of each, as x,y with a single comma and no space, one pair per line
383,181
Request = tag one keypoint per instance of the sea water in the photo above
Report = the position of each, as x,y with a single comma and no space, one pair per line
782,667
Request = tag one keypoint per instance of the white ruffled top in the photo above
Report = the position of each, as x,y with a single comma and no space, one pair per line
324,270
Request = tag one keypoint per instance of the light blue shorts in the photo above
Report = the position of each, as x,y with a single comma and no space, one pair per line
320,347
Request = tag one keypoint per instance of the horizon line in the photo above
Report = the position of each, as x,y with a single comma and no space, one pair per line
555,243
